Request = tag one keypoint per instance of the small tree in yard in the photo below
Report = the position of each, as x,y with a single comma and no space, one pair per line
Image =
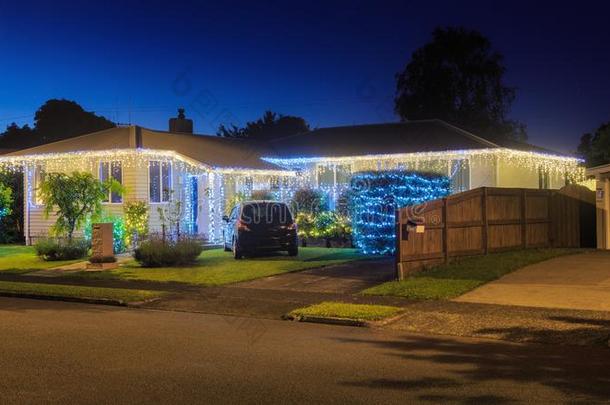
6,200
73,198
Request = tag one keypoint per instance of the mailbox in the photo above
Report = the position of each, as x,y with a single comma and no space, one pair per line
410,227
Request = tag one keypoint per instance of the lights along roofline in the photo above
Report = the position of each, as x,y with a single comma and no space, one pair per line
19,161
423,155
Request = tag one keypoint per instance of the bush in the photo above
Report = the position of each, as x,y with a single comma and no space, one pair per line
135,214
119,235
376,196
61,249
308,200
156,252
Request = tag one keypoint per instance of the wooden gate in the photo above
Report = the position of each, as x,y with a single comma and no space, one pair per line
489,219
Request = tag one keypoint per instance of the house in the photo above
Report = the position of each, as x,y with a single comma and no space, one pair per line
602,202
206,172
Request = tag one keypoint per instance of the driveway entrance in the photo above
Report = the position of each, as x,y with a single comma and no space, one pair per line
579,281
348,278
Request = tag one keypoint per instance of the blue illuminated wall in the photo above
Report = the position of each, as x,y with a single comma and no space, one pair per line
375,197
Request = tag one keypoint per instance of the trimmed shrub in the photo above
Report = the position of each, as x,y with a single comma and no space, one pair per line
156,252
61,249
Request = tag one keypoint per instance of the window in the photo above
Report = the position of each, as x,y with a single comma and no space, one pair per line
344,173
39,177
111,170
274,183
326,176
159,181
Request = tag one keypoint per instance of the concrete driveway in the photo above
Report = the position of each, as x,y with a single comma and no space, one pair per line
347,278
579,281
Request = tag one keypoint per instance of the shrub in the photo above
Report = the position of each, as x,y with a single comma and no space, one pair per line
375,198
136,222
51,249
308,200
119,236
155,252
330,225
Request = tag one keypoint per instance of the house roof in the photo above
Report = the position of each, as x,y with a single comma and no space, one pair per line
372,139
211,150
345,141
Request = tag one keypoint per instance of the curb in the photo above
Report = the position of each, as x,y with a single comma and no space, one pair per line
83,300
328,321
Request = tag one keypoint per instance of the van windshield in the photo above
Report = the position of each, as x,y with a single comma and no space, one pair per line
269,213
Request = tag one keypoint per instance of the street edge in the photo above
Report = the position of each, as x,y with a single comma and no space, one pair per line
83,300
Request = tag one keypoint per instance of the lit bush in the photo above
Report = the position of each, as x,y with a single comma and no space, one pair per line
51,249
119,236
136,222
323,225
376,196
156,252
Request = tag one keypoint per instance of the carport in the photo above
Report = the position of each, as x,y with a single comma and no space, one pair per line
602,191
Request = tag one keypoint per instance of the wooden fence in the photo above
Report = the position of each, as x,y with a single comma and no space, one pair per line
486,219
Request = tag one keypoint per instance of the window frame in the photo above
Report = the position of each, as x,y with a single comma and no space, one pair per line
171,181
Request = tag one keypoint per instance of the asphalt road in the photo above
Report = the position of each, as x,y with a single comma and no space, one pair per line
74,353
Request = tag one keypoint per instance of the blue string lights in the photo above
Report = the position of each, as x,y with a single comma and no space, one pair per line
377,195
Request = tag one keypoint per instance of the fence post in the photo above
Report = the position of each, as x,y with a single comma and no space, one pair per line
485,231
445,230
523,219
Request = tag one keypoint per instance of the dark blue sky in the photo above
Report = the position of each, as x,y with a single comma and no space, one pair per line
331,62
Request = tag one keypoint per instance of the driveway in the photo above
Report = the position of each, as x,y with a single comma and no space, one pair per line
348,278
573,282
272,297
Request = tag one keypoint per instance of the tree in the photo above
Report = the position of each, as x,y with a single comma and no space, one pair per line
73,198
6,200
270,126
11,220
16,137
457,77
54,120
595,148
60,119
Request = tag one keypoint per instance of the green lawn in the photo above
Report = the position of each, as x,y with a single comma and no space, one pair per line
452,280
216,267
58,290
357,312
22,259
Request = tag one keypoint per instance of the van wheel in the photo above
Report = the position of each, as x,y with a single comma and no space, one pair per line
237,253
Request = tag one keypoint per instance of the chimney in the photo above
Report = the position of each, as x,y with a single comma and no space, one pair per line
181,124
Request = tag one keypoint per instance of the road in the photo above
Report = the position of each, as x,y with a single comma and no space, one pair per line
75,353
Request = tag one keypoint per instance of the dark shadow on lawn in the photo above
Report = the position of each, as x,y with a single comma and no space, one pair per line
574,371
